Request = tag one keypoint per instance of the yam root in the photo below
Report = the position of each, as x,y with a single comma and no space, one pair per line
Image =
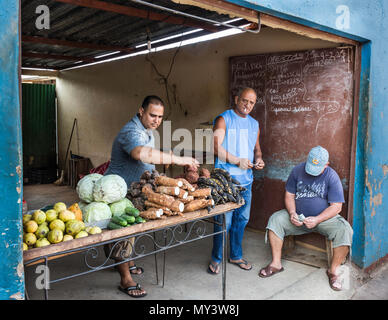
163,199
150,204
204,173
177,206
154,174
174,213
182,194
146,175
138,203
188,199
169,182
134,192
189,168
192,177
135,185
201,193
152,214
147,189
166,211
186,184
172,191
198,204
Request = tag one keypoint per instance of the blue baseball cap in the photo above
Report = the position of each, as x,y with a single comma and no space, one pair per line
316,160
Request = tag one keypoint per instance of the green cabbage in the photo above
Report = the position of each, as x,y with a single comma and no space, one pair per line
118,207
96,211
82,205
110,188
85,186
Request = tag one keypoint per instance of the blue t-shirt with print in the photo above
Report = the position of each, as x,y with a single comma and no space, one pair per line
314,194
133,134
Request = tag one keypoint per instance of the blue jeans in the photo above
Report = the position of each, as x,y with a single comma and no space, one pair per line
236,221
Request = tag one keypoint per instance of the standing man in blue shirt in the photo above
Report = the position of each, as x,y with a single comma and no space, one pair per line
237,150
313,201
133,152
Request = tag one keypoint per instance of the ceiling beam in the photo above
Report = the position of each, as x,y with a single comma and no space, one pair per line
35,55
156,45
140,13
223,7
279,23
75,44
36,66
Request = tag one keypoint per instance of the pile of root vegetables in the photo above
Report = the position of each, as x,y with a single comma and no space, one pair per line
157,196
223,187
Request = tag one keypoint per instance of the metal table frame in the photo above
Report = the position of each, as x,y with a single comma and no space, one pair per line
197,231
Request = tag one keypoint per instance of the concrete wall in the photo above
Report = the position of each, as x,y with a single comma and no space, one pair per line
11,261
104,97
364,21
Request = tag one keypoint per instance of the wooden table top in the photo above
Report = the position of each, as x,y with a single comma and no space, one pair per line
107,235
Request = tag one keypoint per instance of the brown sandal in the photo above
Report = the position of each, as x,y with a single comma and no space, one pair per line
269,271
332,280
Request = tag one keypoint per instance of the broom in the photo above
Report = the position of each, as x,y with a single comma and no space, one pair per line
61,179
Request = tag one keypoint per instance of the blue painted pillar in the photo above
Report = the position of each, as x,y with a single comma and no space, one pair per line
359,208
11,254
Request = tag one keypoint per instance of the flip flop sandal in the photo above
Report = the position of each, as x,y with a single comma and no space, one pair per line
128,289
134,267
269,271
332,280
241,263
215,267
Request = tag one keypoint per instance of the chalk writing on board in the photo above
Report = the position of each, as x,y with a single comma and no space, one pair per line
300,82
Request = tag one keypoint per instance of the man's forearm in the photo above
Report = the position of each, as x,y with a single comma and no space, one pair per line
226,156
153,156
258,155
330,212
289,201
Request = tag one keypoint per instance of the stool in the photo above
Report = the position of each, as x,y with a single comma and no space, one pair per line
289,246
329,251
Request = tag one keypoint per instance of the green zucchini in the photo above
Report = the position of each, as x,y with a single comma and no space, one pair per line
140,220
132,211
113,226
128,218
119,220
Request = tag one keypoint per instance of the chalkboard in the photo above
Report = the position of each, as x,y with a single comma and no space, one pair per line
304,99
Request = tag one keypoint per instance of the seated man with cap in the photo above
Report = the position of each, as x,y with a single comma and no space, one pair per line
313,201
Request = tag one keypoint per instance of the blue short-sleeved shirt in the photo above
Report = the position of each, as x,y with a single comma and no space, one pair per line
314,194
132,135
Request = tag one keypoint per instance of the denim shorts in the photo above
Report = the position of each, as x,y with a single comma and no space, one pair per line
336,229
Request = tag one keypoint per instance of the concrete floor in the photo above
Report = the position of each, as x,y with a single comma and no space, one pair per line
185,274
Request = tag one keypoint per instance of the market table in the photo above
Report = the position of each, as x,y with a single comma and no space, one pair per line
170,226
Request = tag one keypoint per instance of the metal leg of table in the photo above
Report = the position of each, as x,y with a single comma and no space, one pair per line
46,284
224,253
156,262
26,296
164,261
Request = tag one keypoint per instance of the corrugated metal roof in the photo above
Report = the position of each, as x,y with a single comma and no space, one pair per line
81,33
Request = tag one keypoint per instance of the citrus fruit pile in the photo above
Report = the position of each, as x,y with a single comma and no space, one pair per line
53,226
